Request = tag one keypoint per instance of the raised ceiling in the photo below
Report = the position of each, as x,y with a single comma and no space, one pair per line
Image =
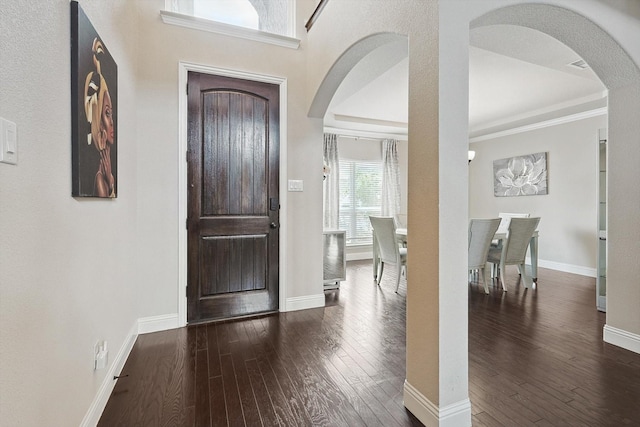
516,76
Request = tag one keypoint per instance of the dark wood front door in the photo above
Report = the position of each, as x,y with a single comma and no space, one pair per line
233,200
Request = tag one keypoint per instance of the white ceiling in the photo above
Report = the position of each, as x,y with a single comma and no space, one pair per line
516,75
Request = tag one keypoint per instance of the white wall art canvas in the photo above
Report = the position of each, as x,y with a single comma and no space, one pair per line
520,176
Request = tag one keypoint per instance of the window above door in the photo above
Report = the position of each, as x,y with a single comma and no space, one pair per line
268,21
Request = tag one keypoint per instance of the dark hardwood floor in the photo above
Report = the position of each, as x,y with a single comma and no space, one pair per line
536,357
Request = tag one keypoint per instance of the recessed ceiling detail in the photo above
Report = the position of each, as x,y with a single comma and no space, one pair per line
517,76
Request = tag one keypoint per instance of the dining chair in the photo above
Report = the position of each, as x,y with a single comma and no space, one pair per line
503,228
505,219
481,232
514,250
388,248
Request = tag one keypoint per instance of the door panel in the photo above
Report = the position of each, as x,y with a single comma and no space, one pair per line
233,191
233,264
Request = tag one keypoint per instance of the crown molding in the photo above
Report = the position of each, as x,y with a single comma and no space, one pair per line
543,124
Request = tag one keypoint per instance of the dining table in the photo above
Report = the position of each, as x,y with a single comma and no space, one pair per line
402,235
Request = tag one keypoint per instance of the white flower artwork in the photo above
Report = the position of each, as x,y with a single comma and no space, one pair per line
520,176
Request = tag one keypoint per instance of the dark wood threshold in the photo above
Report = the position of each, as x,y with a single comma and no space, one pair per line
232,319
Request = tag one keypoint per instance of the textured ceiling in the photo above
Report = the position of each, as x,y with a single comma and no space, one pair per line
515,73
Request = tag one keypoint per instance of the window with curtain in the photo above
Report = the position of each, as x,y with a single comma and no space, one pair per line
360,196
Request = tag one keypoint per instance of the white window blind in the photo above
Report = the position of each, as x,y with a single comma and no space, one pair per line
360,196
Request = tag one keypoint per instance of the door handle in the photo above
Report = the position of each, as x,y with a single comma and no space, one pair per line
273,225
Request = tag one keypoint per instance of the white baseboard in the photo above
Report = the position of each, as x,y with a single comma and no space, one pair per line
158,323
455,415
567,268
94,413
624,339
303,303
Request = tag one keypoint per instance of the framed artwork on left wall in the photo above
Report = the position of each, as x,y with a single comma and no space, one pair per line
94,108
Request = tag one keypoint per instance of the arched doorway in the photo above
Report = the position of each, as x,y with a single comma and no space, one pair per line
621,77
436,326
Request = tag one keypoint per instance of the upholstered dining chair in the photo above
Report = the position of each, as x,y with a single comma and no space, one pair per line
388,247
505,219
514,250
481,232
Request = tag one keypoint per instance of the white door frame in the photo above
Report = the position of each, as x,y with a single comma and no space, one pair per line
183,69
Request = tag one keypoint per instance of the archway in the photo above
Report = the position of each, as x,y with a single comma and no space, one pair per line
436,330
343,65
621,76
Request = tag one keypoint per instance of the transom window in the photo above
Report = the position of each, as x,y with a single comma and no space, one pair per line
360,196
271,16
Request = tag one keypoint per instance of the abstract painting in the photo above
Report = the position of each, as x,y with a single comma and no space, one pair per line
520,176
94,100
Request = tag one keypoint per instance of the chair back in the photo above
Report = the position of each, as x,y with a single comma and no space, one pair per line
505,219
384,229
401,220
520,233
481,233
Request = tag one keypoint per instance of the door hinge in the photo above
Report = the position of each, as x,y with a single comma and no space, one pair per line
186,223
186,291
187,88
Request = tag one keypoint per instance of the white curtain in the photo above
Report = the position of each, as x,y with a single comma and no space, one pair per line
331,173
390,178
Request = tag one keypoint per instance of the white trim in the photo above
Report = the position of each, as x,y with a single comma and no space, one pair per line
624,339
566,268
196,23
455,415
100,400
365,134
541,125
183,69
158,323
305,302
368,121
291,19
601,303
555,109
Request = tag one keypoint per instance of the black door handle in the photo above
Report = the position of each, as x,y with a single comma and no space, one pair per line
273,225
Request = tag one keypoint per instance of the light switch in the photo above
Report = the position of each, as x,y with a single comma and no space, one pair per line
8,142
296,185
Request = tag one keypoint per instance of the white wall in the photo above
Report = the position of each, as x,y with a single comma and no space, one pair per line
568,225
67,265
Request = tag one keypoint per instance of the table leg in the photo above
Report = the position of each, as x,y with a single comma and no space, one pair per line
375,258
533,247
